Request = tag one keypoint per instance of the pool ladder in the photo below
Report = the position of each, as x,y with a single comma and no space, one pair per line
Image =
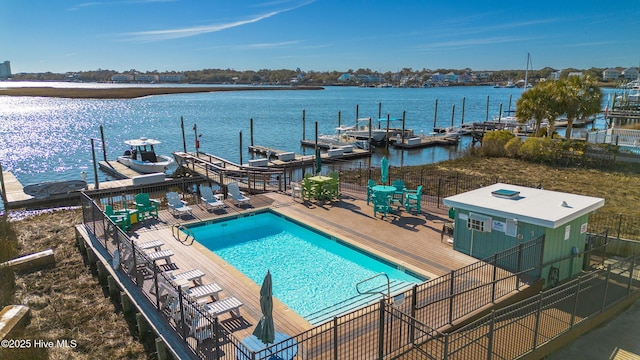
388,294
177,229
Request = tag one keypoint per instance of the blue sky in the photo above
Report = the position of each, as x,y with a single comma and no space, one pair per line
320,35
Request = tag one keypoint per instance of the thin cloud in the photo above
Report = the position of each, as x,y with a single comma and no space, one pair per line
168,34
109,3
268,45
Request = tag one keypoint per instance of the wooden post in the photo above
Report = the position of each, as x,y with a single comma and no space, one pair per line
463,101
95,166
251,130
510,97
304,135
161,349
113,287
369,135
357,110
404,113
453,112
104,147
387,134
5,202
379,110
240,147
435,116
500,113
184,140
143,327
127,307
339,117
195,132
486,118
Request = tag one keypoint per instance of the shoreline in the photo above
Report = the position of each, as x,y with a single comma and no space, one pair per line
132,92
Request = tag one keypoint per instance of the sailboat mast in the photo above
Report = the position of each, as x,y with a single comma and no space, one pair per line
526,72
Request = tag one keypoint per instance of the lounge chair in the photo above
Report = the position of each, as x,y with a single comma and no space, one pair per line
210,201
194,275
145,206
199,292
177,206
412,199
156,245
120,219
226,305
236,195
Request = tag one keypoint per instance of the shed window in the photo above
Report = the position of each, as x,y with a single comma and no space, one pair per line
479,222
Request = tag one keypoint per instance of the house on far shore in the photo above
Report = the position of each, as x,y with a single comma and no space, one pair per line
501,216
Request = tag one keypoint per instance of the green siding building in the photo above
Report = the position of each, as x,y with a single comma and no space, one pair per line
502,216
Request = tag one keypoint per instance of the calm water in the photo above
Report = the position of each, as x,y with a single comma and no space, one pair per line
310,272
46,139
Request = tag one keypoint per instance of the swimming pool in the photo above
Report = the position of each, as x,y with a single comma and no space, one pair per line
311,271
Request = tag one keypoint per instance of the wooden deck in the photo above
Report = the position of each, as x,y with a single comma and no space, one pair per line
412,241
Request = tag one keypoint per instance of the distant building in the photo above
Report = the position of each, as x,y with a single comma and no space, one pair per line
147,77
122,78
5,70
575,73
346,77
170,77
610,74
630,73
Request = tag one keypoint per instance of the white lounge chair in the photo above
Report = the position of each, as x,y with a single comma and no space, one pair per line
228,304
177,206
296,190
210,201
236,195
194,275
197,293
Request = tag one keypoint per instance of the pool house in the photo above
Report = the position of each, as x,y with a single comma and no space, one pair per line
498,217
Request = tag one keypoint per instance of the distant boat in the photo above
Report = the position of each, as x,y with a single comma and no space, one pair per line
342,137
142,157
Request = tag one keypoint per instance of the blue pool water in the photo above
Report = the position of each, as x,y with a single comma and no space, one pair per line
310,271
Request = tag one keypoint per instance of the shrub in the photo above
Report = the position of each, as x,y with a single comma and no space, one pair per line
493,143
536,149
512,147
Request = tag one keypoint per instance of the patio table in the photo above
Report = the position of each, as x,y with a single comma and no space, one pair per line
321,183
384,190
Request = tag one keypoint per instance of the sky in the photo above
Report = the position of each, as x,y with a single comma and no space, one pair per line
317,35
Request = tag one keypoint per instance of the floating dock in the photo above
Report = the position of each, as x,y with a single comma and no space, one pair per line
118,170
425,141
281,158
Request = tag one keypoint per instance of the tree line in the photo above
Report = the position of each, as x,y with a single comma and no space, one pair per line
286,76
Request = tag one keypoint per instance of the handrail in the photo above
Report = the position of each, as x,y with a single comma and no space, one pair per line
180,227
375,292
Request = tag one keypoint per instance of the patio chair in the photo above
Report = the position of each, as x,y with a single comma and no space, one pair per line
334,186
177,206
120,219
145,206
413,199
397,197
210,201
370,184
296,190
194,275
380,204
237,196
308,188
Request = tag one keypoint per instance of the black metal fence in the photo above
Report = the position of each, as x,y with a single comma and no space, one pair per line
382,330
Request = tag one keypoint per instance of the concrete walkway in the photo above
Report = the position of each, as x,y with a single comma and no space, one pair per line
617,339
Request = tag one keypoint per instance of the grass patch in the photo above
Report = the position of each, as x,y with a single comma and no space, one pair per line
67,302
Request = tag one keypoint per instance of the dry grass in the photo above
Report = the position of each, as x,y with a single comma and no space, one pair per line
130,93
619,184
67,301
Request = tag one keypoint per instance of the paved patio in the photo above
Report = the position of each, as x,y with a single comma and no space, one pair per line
412,241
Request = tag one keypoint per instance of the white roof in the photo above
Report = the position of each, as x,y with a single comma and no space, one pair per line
141,142
545,208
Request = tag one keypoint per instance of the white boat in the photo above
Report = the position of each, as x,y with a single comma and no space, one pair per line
362,131
141,156
342,136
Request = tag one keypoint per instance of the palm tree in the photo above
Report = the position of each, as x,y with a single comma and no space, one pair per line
579,97
536,104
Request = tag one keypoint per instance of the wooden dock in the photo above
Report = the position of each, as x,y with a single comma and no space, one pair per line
14,189
425,141
117,170
303,160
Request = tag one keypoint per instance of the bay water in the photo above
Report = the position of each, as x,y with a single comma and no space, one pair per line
48,139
